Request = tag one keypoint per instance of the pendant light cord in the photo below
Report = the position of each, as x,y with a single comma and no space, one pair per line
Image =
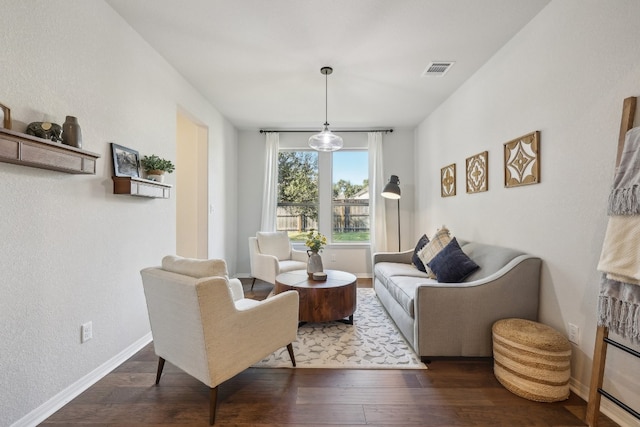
326,100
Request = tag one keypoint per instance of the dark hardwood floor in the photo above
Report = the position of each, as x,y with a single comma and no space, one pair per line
450,393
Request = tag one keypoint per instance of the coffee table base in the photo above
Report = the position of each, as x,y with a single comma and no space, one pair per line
330,300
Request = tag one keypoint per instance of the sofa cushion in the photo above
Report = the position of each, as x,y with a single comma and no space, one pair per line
197,268
415,258
491,258
452,265
274,243
439,240
403,290
385,270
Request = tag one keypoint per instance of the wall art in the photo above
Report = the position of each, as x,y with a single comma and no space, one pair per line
448,181
477,178
522,160
126,162
5,117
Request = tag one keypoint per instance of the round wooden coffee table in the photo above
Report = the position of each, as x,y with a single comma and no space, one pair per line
321,301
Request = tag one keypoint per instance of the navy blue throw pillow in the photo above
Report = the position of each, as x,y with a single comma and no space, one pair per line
452,265
416,259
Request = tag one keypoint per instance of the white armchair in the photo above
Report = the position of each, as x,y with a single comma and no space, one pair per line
271,253
202,323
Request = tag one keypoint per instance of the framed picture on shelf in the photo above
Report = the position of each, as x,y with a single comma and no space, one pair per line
522,160
126,162
448,181
5,116
477,179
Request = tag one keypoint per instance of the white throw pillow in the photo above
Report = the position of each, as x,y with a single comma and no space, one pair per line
274,243
431,249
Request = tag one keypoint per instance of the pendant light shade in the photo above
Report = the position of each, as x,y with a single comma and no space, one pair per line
326,140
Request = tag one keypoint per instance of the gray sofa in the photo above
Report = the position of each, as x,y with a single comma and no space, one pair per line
455,319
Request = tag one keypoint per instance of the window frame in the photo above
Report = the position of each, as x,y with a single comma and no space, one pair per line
325,195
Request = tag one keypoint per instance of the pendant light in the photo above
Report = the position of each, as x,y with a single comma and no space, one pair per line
326,140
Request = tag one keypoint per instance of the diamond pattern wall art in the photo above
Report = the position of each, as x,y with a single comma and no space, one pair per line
448,181
477,178
522,161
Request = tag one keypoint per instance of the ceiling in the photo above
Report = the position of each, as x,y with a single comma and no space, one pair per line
258,62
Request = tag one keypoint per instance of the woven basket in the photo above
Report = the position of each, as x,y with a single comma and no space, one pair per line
531,360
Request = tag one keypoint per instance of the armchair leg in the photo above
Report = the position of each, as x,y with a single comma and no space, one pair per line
160,368
253,283
290,350
213,400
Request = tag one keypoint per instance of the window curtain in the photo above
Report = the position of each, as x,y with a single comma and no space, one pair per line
377,214
270,190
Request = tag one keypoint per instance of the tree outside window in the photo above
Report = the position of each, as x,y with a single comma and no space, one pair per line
350,199
297,193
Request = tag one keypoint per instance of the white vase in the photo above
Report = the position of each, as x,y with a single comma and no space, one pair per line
314,264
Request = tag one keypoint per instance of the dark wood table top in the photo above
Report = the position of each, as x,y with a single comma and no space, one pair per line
300,279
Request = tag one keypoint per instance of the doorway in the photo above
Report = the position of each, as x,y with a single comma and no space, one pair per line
191,188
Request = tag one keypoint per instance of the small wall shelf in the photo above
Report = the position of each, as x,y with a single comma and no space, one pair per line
22,149
140,187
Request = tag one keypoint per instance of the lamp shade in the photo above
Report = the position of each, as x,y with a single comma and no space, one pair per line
326,141
392,189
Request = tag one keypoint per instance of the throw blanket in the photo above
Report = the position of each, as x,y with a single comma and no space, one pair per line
619,301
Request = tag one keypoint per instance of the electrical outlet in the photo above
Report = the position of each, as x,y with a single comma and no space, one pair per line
333,257
86,331
574,333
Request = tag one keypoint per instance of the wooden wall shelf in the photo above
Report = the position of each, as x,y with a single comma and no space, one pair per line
22,149
140,187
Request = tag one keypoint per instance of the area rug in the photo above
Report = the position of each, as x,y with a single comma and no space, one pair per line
372,342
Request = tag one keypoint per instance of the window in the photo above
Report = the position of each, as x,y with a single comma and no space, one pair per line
350,200
340,178
298,201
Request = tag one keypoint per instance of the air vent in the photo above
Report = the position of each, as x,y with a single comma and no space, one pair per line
439,68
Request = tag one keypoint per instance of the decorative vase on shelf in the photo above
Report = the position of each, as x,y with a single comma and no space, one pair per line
71,134
314,263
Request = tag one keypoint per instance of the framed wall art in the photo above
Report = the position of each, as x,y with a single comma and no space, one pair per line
477,178
522,160
126,162
5,116
448,181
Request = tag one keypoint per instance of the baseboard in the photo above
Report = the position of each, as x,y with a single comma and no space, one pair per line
611,410
48,408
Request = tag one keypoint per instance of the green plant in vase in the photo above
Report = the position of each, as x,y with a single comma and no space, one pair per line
156,167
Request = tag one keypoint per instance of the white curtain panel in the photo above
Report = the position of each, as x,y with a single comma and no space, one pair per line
377,214
269,194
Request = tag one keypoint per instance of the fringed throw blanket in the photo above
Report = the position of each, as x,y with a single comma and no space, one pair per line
619,301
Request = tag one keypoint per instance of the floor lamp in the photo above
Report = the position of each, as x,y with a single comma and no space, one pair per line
392,191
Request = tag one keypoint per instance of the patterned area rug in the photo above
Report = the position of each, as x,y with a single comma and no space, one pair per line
372,342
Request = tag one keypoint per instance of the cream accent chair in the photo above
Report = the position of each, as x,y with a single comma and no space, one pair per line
202,323
271,253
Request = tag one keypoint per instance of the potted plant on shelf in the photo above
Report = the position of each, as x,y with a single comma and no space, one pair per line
156,167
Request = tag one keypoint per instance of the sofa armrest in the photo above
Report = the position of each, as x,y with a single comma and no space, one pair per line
456,319
401,257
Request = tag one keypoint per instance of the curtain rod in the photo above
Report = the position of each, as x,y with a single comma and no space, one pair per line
332,130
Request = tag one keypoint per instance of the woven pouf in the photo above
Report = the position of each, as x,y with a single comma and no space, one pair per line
531,360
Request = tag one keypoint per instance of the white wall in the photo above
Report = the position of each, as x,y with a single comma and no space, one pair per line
398,151
566,75
71,250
